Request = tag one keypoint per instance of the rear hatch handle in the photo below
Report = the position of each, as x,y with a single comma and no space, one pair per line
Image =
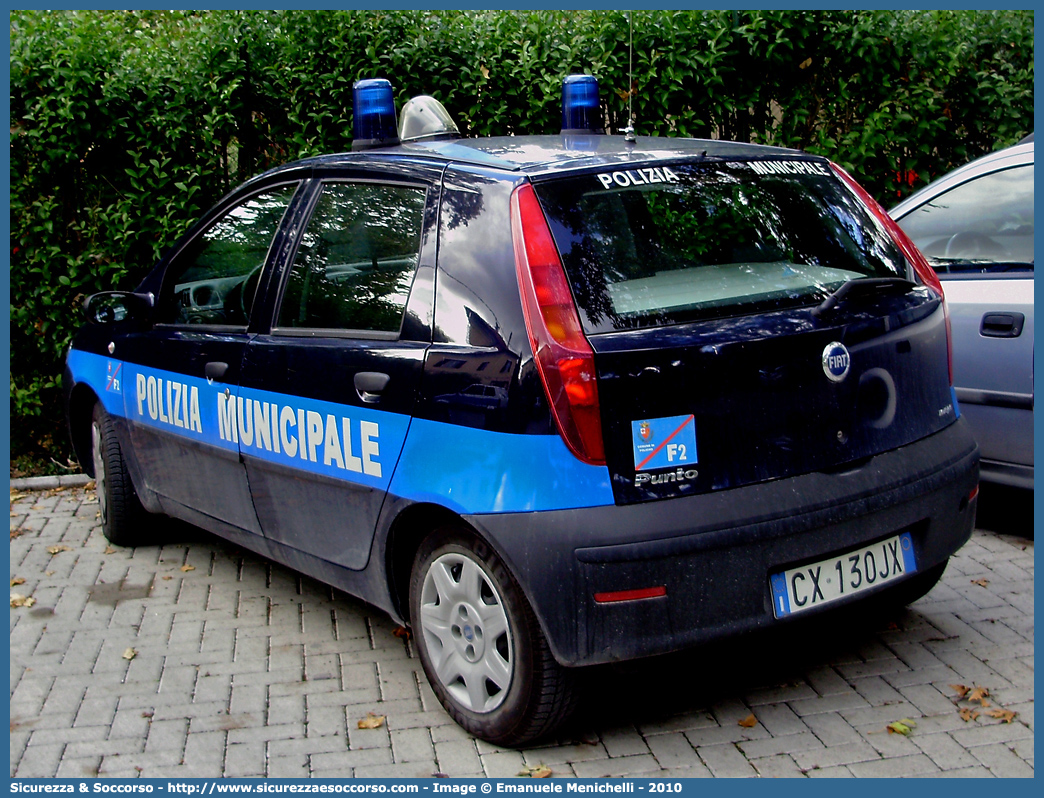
866,286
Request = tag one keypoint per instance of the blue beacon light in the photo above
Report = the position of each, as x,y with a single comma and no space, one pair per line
580,104
373,114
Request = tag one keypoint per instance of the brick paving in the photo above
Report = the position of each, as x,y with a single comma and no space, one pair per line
196,659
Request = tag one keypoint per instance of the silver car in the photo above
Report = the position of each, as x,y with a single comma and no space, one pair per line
975,225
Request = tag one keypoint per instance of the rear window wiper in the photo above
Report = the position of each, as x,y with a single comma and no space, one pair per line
871,287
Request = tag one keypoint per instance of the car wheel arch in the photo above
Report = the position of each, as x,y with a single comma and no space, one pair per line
408,531
81,406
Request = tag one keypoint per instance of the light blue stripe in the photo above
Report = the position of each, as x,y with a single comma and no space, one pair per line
475,471
470,471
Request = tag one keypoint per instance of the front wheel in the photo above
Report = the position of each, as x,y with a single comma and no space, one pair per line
123,518
480,644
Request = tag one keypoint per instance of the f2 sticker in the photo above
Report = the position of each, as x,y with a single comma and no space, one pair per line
664,442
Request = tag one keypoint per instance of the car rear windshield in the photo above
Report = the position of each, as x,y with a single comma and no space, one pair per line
652,246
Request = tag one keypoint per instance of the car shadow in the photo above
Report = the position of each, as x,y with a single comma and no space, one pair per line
1005,510
652,691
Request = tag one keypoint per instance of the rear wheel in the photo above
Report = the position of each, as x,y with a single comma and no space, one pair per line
123,518
480,644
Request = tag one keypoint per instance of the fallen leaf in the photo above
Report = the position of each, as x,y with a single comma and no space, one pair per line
967,714
17,533
401,632
980,582
535,772
57,549
110,550
805,64
89,486
147,714
18,600
749,722
979,694
961,689
18,494
17,581
130,653
48,573
372,721
1005,715
167,578
187,568
901,726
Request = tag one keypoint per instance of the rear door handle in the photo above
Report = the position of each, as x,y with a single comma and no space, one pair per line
215,370
370,384
1002,325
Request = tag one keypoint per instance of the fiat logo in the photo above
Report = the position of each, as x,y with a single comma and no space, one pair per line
836,361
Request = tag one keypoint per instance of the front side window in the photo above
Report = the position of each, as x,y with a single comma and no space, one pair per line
214,279
984,225
356,261
666,245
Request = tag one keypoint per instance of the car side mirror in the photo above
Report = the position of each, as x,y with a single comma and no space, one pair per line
110,307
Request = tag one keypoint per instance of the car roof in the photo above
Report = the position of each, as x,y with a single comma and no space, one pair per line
534,155
1019,155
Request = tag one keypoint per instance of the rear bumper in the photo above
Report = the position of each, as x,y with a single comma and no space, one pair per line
714,552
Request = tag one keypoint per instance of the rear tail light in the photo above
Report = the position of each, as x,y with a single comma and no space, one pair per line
920,265
563,356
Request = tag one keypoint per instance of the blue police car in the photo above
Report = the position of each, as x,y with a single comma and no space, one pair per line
718,383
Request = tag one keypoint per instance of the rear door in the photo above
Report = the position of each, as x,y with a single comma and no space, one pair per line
327,393
699,286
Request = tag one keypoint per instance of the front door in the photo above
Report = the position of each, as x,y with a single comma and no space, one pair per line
181,376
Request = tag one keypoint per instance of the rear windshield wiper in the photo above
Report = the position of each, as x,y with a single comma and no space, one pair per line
867,287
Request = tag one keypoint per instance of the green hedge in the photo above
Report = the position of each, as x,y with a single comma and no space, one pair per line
125,126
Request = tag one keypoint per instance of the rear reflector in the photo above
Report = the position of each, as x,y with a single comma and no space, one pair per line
973,494
631,595
920,264
563,356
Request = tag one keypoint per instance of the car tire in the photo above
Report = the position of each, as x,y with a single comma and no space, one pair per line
480,644
122,515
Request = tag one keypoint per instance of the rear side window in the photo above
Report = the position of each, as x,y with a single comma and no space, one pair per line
984,225
655,246
356,261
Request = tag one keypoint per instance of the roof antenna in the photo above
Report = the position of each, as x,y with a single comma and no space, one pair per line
629,130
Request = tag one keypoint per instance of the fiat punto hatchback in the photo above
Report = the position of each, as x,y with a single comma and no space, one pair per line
550,400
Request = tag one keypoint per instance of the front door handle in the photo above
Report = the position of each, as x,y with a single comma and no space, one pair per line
370,384
215,370
1002,325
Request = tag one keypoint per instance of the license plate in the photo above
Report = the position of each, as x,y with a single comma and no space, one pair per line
820,583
